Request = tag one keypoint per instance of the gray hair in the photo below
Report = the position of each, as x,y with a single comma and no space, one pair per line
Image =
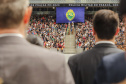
12,12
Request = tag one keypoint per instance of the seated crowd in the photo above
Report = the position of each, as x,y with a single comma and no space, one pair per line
53,34
46,28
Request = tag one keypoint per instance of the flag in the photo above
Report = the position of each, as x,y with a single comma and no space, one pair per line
70,14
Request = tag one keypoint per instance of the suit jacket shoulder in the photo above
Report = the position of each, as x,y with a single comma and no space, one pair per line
110,60
24,63
84,65
112,69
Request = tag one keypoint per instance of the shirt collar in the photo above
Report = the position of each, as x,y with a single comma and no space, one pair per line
110,42
11,34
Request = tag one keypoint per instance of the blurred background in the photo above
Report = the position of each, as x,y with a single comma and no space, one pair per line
69,38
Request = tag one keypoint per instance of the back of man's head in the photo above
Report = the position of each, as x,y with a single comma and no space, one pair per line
105,24
12,12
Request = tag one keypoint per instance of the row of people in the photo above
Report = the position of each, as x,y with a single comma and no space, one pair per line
104,45
25,63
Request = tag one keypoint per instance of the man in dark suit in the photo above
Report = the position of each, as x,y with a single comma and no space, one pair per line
112,69
84,65
20,61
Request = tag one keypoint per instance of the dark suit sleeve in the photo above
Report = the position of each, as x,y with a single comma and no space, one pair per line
100,77
73,68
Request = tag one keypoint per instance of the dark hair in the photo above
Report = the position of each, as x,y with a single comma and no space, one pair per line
105,24
122,7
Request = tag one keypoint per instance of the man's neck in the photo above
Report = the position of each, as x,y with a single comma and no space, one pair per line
10,31
104,40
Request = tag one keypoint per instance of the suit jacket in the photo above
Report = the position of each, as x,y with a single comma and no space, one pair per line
84,65
112,69
24,63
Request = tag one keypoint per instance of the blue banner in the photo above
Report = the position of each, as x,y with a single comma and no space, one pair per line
70,14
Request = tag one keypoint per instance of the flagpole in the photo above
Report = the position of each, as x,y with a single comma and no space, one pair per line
68,28
72,27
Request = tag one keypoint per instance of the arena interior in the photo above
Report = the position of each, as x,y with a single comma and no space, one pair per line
69,38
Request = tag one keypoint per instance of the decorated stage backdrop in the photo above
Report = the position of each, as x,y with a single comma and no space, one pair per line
70,14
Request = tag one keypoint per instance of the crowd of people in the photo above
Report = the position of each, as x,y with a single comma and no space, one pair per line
86,40
45,27
120,38
84,35
53,34
24,61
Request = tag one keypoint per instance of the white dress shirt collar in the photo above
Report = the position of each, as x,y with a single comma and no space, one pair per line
110,42
11,34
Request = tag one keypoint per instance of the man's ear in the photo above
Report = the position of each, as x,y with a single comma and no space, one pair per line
27,15
117,31
94,33
124,19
